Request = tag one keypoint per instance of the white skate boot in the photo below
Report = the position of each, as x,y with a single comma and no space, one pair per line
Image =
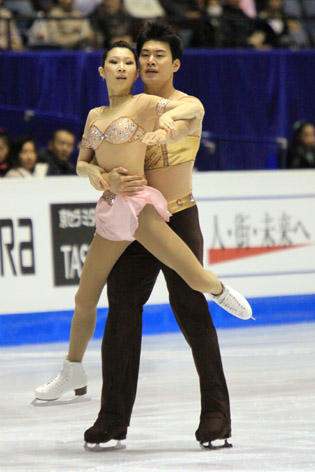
71,377
233,302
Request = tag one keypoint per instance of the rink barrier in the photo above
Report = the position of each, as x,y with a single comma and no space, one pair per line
36,328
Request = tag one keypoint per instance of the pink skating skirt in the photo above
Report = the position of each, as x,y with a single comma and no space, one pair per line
117,218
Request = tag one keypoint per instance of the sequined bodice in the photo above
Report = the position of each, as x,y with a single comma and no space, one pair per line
120,131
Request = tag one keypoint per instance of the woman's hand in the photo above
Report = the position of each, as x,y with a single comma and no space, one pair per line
155,137
97,177
166,122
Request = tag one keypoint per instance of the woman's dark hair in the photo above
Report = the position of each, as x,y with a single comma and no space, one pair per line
159,31
118,44
298,129
5,137
17,147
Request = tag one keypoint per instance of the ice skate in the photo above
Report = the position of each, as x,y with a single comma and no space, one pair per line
102,432
213,430
233,302
71,377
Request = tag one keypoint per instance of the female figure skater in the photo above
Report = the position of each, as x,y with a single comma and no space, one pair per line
117,135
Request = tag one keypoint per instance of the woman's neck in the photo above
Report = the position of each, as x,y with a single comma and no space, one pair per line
118,98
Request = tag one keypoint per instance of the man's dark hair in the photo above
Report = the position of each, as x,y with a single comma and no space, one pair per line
159,31
117,44
58,130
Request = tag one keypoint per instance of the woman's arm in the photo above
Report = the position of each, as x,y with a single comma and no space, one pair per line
86,167
182,128
117,180
181,110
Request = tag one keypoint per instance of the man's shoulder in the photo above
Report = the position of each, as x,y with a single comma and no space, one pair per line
179,95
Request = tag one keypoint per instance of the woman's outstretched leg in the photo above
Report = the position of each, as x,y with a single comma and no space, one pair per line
100,259
158,238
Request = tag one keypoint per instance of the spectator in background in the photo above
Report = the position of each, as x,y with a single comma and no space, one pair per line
112,23
24,160
74,33
301,152
42,5
86,7
9,39
209,31
4,152
277,32
58,153
239,30
187,16
144,9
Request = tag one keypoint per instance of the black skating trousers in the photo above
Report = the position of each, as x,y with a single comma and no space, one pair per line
129,286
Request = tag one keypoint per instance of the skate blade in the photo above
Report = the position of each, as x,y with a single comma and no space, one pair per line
36,402
209,445
99,448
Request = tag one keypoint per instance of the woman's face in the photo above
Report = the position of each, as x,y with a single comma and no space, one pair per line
307,137
119,71
28,156
4,148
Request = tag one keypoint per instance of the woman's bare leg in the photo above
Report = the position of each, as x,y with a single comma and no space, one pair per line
99,261
158,238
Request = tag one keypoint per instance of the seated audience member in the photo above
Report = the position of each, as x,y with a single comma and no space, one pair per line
70,33
209,30
112,23
187,17
144,9
86,6
58,153
238,29
4,152
301,151
299,37
277,33
24,161
9,39
42,5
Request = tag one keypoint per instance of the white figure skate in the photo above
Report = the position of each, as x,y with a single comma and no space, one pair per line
233,302
71,377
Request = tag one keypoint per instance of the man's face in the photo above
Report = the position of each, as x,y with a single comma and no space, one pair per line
156,63
62,146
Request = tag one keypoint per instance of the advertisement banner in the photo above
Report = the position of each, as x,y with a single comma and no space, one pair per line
258,228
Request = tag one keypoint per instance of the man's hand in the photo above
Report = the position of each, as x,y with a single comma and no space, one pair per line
159,136
120,182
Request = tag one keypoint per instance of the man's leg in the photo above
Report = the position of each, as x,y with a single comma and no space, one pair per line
193,316
129,286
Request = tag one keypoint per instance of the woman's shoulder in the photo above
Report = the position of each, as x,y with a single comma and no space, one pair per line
95,112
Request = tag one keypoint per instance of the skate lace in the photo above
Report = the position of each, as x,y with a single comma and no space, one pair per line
61,378
230,300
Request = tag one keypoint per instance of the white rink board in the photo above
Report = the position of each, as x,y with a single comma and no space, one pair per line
247,210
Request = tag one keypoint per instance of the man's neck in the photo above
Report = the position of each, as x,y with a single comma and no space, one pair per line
164,91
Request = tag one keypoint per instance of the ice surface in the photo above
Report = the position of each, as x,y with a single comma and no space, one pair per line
271,378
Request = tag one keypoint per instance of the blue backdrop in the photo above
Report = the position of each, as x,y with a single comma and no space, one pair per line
246,94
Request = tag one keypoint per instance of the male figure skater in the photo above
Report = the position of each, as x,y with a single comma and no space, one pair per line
169,169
